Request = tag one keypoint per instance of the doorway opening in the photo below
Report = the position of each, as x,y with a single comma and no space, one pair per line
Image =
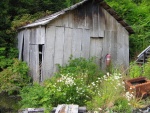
40,61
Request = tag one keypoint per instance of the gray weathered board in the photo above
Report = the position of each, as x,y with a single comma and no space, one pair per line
63,108
67,108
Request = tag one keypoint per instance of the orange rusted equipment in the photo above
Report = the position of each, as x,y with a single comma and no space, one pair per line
139,87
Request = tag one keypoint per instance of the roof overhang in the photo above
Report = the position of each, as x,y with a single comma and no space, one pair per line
51,17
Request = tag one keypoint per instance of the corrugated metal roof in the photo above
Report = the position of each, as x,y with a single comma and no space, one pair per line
47,19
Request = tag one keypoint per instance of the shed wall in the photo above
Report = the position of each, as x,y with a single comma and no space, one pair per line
86,31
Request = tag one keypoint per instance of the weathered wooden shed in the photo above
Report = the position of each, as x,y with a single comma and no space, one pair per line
86,29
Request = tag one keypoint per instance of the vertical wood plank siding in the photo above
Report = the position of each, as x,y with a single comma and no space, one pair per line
67,44
34,62
72,33
48,59
76,43
26,46
85,44
20,43
59,47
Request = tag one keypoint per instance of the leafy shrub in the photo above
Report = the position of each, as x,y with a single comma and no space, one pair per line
68,89
14,77
73,84
146,68
7,61
135,70
121,106
25,19
81,65
32,95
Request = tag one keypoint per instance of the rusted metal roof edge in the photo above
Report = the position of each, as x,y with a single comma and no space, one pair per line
47,19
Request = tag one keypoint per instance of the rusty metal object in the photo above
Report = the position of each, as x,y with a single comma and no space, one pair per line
139,87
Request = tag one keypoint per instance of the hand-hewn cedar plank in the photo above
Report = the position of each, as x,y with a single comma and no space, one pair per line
95,32
26,45
108,20
65,20
67,44
85,44
48,56
37,35
76,42
20,42
59,47
120,45
34,62
89,16
71,19
56,22
33,36
101,22
92,47
113,51
125,37
42,35
98,49
80,17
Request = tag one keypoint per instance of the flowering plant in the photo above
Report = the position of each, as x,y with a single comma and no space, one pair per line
69,89
108,89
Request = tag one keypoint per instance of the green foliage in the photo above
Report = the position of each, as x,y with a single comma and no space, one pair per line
70,86
25,19
70,2
135,70
121,105
109,88
81,65
31,96
8,103
14,77
68,89
64,90
146,69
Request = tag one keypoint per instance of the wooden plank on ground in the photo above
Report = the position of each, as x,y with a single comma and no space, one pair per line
60,109
64,108
73,109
